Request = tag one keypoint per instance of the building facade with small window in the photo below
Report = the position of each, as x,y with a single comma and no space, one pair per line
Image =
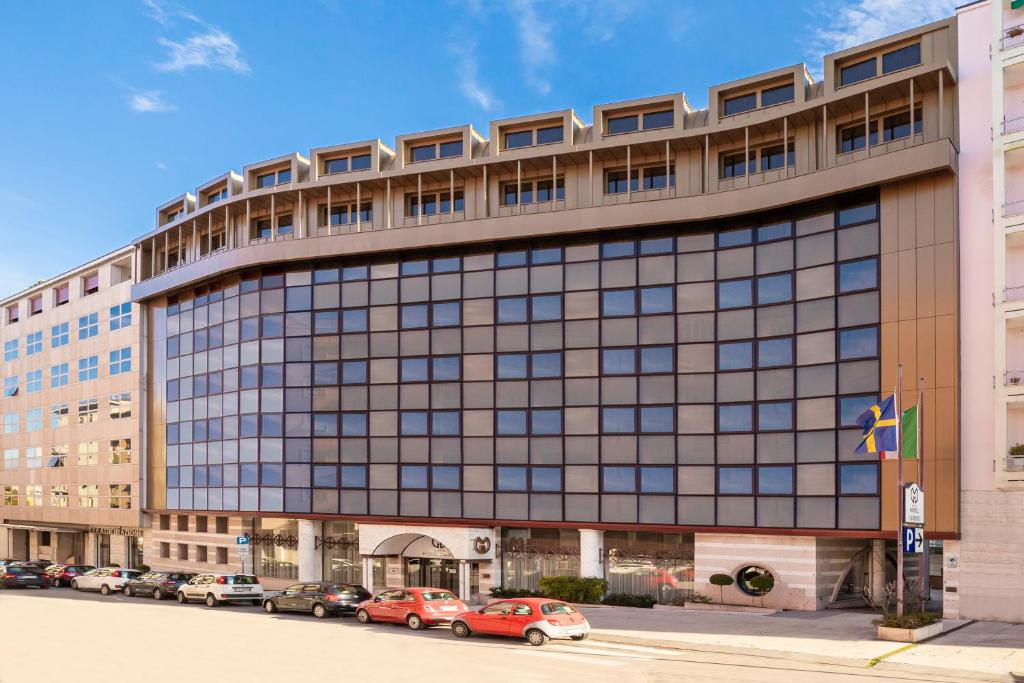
71,471
635,348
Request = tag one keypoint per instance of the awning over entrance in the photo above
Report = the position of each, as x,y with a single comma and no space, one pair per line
54,528
414,545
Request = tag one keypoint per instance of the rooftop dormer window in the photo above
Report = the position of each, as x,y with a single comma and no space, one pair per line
630,123
548,135
758,98
217,195
436,150
777,95
173,215
274,178
892,61
738,105
358,162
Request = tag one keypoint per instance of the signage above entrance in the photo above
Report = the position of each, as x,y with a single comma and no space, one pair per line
913,504
116,531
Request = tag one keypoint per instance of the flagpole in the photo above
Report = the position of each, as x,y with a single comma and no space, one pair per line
923,579
899,497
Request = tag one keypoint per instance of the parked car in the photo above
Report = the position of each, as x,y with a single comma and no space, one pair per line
64,574
417,607
213,589
535,619
106,580
322,598
38,565
157,585
15,576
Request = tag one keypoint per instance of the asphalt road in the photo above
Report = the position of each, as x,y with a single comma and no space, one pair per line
60,635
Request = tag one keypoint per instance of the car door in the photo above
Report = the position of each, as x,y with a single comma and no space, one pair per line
522,615
97,578
289,598
196,587
378,607
311,592
493,618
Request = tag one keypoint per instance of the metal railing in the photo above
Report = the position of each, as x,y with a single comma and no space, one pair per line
1015,463
1015,293
1013,36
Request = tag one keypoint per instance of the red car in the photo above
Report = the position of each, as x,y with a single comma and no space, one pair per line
418,607
64,574
535,619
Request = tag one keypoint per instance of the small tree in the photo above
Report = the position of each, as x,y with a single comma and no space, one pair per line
721,580
763,584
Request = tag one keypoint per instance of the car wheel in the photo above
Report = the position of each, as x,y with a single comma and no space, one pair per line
270,606
128,592
211,601
74,585
460,630
104,589
580,637
536,637
415,622
319,611
363,617
181,598
157,595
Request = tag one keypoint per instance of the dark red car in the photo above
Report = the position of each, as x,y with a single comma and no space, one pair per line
534,619
64,574
417,607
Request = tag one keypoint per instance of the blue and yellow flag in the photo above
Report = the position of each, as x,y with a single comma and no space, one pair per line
879,424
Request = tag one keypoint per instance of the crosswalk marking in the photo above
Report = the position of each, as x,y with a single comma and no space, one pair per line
572,657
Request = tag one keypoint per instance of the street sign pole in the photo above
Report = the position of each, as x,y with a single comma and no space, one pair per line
923,580
899,470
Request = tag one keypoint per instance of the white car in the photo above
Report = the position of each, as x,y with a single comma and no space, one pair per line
106,580
213,589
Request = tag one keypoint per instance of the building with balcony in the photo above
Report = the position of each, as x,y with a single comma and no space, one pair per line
633,348
992,326
71,471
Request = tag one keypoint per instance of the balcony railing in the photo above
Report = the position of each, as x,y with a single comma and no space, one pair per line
1015,293
1013,36
1014,378
1015,463
1013,125
1013,208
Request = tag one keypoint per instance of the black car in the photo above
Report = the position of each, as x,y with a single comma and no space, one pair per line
322,598
18,576
157,585
38,565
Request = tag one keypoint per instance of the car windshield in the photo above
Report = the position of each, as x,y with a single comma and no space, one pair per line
556,608
431,596
16,570
240,580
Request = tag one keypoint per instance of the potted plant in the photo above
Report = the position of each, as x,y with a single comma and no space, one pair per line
1015,379
721,580
1014,31
1017,449
914,626
763,584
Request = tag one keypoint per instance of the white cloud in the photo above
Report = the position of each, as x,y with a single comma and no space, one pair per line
149,102
536,50
468,75
212,50
164,13
161,166
866,20
601,20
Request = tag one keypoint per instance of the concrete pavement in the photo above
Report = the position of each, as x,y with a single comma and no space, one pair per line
973,651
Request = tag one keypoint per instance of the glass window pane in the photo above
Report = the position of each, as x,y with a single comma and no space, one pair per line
618,479
444,423
618,302
657,245
858,479
657,300
735,418
544,256
656,359
735,480
521,138
734,294
658,119
353,476
776,231
623,124
737,105
548,421
511,422
778,95
858,275
656,480
512,366
657,419
618,361
858,343
414,476
547,307
546,478
902,58
773,289
857,214
617,249
508,259
549,135
512,310
618,420
735,356
446,368
413,423
414,370
735,238
775,481
447,314
547,364
414,316
773,353
852,407
511,478
858,72
451,149
444,477
775,416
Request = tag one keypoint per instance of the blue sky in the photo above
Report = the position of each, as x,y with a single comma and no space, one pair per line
112,108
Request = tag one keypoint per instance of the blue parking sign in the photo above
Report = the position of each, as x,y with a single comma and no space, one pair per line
913,539
241,540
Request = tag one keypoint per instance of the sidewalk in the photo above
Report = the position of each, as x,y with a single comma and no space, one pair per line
977,651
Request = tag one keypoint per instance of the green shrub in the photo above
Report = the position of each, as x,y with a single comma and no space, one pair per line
698,598
916,620
1017,449
628,600
144,568
721,580
504,593
587,590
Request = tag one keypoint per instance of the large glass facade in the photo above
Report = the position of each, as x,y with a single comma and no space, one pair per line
276,554
340,544
682,375
526,555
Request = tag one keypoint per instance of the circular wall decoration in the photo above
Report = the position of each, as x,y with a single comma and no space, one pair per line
755,581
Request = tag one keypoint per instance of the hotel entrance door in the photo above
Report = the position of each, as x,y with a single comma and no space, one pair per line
432,573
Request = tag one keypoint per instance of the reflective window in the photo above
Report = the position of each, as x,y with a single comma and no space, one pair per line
776,231
546,307
852,407
623,124
617,249
735,480
902,58
618,479
656,480
618,302
858,479
772,353
618,420
353,372
861,342
656,359
658,119
618,361
547,421
734,294
414,477
508,259
353,476
511,478
447,314
414,316
413,423
511,366
444,477
735,238
414,370
775,416
446,368
512,310
858,72
546,478
774,289
858,275
857,214
738,105
775,481
520,138
549,135
445,422
451,149
735,418
657,419
735,356
511,422
657,300
547,364
777,95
